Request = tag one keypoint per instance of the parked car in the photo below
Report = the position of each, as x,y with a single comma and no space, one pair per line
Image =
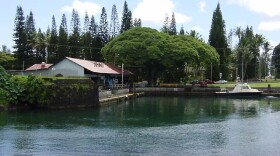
221,82
209,81
203,83
194,82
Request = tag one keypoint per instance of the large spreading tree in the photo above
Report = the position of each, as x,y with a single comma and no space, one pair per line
150,54
218,39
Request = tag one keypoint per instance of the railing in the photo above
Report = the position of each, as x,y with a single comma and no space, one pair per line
116,86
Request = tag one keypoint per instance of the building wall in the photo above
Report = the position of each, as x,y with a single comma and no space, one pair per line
45,72
67,68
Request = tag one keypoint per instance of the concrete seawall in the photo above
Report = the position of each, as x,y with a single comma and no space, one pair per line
73,94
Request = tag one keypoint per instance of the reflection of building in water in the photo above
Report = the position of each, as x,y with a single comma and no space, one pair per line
246,105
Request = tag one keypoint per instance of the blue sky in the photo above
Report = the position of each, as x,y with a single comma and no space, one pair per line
264,16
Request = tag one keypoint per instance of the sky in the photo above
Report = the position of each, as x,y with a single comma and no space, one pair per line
262,15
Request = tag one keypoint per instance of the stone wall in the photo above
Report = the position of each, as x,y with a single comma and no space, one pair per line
70,93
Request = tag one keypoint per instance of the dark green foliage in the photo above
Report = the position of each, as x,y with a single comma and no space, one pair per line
248,52
20,39
276,60
19,91
53,44
6,60
74,38
93,27
13,91
86,40
63,49
217,39
31,39
41,44
195,34
96,50
126,18
150,55
182,31
265,59
96,43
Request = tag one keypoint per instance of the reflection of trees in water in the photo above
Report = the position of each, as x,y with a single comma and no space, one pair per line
145,111
176,110
247,107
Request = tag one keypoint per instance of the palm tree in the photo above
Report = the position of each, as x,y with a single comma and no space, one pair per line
195,34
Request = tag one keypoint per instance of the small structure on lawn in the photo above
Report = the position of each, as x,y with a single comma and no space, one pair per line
39,69
107,74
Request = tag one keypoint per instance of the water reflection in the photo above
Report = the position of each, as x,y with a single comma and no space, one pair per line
147,126
147,111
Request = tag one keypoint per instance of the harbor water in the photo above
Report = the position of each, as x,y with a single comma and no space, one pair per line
148,126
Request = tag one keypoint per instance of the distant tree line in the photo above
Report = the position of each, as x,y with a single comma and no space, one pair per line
35,46
244,59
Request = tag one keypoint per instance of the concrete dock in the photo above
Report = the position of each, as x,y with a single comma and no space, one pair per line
118,98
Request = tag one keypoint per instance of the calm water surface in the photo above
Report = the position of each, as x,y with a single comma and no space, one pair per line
148,126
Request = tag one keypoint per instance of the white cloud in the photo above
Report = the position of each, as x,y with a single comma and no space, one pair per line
202,6
82,7
267,7
269,26
155,11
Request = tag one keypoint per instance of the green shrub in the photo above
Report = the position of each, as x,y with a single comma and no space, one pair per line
3,101
22,90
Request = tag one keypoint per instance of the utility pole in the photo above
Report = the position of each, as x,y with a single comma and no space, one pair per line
122,75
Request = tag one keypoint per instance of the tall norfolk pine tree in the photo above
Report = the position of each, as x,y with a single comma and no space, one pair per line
74,38
20,39
172,29
96,43
31,39
166,23
217,39
103,27
52,47
63,39
86,39
126,18
114,24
